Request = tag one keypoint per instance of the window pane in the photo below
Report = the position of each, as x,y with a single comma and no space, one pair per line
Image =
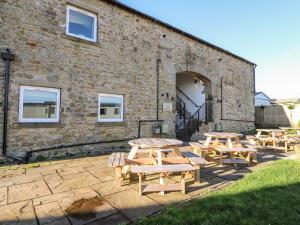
38,104
81,24
110,107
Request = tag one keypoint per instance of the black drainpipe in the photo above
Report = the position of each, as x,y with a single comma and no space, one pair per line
7,57
158,61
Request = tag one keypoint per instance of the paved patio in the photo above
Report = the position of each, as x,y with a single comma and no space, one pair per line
82,191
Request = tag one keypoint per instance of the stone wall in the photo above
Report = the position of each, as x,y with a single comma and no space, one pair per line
123,61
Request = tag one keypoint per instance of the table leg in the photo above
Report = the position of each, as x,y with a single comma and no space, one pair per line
133,152
197,174
131,155
159,157
177,151
140,184
286,146
258,134
118,175
229,143
221,158
237,141
207,141
216,142
161,182
183,183
159,161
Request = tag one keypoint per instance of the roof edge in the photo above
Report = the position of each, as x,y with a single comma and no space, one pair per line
130,9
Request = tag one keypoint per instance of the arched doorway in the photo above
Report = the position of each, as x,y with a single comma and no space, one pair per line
193,103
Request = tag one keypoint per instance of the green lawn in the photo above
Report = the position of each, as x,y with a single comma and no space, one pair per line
268,196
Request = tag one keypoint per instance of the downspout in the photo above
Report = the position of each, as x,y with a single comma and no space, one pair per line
158,61
7,57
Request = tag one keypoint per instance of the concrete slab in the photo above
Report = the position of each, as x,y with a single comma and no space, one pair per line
132,205
51,213
3,196
18,213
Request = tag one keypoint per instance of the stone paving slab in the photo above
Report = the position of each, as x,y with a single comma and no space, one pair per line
108,188
20,179
169,197
21,213
11,172
103,174
45,170
51,213
60,184
114,219
26,191
132,205
64,199
3,196
84,211
69,170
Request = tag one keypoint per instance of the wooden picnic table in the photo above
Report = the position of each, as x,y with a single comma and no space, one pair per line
239,150
158,145
273,135
271,132
291,128
222,135
153,144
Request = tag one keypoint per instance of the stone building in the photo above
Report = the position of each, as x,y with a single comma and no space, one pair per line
85,55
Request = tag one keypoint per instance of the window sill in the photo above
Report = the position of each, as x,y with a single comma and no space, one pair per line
37,125
110,124
80,40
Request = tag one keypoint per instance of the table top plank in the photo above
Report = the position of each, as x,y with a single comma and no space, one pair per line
238,149
223,135
162,168
155,142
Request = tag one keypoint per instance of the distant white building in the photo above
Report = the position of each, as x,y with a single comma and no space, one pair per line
261,99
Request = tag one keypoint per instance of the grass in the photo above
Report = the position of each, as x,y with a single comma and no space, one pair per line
269,196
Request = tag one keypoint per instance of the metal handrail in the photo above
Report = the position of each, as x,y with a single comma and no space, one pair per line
180,108
197,113
187,97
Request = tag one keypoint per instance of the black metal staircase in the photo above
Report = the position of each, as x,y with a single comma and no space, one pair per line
186,126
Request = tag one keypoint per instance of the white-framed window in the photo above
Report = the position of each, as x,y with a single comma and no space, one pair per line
81,24
39,104
110,108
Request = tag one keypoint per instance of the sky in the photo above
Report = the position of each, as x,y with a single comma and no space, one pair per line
266,32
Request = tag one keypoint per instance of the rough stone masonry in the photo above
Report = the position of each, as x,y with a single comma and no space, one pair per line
122,61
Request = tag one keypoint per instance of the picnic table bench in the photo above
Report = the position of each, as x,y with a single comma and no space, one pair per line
201,148
196,161
249,152
117,161
162,170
